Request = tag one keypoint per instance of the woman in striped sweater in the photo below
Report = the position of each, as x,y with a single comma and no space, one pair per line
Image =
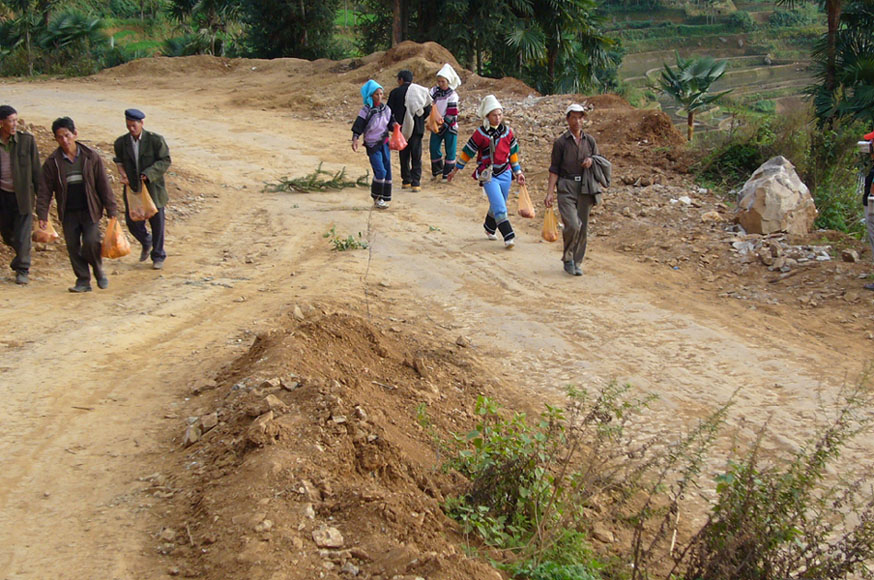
497,156
446,101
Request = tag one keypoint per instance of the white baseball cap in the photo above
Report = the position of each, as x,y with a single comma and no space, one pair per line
577,108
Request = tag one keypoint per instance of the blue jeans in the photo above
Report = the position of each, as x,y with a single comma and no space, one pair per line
380,161
497,189
437,162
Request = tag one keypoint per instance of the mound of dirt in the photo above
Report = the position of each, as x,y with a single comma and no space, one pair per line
656,127
309,465
407,50
163,66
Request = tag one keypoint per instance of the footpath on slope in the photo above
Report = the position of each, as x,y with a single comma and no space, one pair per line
99,389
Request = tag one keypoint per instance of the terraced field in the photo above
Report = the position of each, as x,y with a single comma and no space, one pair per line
769,67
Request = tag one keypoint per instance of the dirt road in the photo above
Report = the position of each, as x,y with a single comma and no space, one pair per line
90,384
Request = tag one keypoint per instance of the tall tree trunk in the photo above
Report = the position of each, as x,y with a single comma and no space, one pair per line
397,34
690,129
303,17
833,16
551,60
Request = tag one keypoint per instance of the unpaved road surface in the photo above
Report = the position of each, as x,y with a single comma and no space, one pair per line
89,384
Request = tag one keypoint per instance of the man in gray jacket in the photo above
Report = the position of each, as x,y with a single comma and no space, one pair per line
142,158
577,183
19,181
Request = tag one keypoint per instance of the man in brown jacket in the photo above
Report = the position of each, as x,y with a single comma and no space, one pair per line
19,181
75,174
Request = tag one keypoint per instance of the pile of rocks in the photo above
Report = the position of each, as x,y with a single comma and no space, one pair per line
776,253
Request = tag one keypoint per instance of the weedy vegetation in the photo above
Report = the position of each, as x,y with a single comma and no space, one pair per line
537,489
341,244
318,180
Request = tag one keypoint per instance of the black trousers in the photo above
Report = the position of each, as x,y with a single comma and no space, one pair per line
411,160
155,239
82,237
16,230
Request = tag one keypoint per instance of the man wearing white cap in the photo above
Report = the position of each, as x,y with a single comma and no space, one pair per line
570,175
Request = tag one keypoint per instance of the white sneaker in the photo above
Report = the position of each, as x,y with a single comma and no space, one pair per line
491,236
510,243
380,203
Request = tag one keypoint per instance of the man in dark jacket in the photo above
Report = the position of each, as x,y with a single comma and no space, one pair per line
411,155
868,201
142,158
76,176
19,181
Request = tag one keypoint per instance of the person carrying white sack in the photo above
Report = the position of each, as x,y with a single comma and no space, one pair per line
410,104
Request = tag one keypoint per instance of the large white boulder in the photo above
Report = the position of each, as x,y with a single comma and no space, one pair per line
775,200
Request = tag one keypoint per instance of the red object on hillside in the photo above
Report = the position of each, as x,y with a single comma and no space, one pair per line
869,136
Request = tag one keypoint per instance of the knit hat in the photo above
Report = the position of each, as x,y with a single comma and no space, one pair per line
448,73
367,91
486,106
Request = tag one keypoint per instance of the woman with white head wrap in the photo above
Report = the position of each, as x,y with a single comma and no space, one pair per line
446,101
497,154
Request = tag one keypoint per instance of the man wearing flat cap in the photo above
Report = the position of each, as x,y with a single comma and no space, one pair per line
142,158
20,179
576,173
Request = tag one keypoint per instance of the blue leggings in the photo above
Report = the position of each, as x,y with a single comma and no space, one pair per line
380,161
497,189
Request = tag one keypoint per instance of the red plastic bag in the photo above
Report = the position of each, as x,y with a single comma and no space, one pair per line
115,244
139,203
550,226
397,141
45,236
526,208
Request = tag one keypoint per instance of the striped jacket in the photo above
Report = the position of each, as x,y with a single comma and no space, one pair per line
506,150
447,105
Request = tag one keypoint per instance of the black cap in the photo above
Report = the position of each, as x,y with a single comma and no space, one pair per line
134,114
5,111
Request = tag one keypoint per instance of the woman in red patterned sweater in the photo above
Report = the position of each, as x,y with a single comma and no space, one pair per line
497,154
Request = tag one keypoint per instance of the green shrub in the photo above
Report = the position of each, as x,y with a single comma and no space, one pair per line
784,520
800,15
767,106
741,20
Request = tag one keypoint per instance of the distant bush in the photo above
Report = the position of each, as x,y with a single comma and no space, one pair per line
741,20
768,106
124,8
801,15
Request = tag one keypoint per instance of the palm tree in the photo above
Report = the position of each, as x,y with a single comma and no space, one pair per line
852,94
833,19
564,38
690,84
